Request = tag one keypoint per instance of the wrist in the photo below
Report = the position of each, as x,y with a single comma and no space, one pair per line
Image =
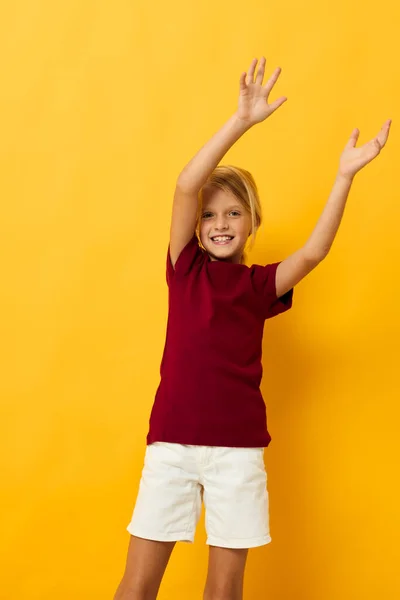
344,178
241,123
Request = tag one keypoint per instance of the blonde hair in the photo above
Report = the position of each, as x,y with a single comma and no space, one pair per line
241,184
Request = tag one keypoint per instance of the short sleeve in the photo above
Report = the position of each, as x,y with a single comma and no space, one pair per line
264,283
190,254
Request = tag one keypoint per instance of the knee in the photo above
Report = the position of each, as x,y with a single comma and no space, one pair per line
223,592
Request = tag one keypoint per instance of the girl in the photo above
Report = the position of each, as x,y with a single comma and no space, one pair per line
208,426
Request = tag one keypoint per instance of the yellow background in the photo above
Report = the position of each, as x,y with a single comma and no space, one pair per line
102,103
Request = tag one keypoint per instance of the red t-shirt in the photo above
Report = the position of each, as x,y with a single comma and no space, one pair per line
209,393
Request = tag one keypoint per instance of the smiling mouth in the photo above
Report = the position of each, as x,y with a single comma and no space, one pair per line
222,240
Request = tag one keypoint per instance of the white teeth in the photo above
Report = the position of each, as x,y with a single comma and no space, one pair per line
222,238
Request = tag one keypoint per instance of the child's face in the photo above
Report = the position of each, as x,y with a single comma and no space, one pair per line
223,214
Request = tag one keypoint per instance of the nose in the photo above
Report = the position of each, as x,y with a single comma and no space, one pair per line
221,223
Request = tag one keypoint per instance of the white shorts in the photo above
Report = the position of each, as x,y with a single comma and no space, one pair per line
231,481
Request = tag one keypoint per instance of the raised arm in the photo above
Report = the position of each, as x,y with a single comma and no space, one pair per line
192,179
294,268
253,108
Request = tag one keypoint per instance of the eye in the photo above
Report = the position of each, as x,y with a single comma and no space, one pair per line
208,214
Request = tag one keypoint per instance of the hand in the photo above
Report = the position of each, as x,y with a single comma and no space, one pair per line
354,159
253,97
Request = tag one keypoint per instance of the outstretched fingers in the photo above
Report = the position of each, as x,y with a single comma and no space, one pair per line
242,82
261,70
275,105
250,72
384,133
247,78
379,140
353,139
272,80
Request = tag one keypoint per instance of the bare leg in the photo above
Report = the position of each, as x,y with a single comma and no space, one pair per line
225,573
145,566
